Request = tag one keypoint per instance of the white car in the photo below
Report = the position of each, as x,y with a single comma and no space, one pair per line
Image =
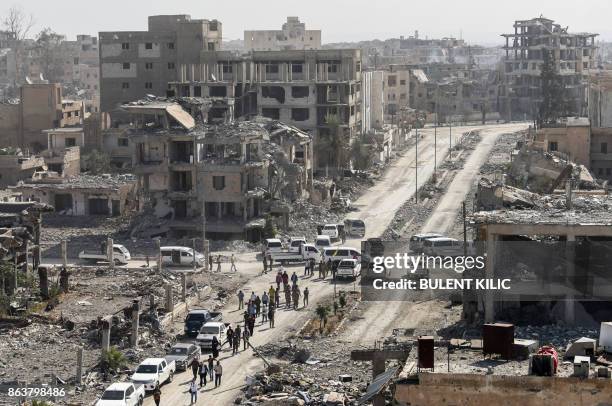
210,330
348,268
340,253
417,240
122,394
181,256
272,245
331,230
295,243
322,241
153,371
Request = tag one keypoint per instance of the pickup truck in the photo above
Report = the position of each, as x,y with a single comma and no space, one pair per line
295,243
152,372
210,330
304,253
182,354
122,394
196,318
120,255
348,268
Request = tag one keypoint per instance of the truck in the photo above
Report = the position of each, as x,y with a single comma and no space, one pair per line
305,252
121,255
181,256
295,243
182,354
122,394
196,318
153,372
210,330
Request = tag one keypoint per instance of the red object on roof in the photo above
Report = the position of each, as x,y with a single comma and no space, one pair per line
548,350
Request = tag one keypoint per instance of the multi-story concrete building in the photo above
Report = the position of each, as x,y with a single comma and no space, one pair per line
293,35
136,63
526,48
396,91
372,100
300,88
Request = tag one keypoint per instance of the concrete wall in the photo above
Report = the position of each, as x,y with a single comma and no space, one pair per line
574,141
469,390
42,109
601,162
9,124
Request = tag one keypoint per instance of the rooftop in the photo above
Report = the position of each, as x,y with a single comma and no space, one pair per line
82,181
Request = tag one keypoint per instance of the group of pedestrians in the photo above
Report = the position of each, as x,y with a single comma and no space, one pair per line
233,267
205,369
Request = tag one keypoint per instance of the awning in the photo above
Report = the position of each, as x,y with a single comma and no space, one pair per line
378,385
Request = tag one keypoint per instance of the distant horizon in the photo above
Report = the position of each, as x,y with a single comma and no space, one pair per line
475,21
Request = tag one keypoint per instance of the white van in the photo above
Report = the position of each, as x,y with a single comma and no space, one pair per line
339,253
442,247
331,230
272,245
354,227
181,256
322,241
416,241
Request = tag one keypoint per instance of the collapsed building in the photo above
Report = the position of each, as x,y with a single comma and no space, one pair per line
233,173
82,195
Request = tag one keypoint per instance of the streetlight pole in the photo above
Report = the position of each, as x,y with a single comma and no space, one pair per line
416,165
450,138
435,148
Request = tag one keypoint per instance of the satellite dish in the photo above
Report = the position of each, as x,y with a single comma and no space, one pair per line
213,77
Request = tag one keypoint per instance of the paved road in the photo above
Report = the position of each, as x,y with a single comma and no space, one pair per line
377,208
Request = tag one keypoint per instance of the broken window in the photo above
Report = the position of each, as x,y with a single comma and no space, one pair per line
604,147
298,92
126,65
276,92
211,46
122,142
149,45
148,85
392,81
219,182
125,85
149,65
402,82
272,68
125,45
170,45
300,114
218,91
197,91
553,146
227,68
332,94
212,26
297,67
271,113
170,65
608,171
70,142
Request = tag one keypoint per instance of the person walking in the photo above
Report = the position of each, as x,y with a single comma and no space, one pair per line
230,337
287,298
265,263
203,372
257,306
219,263
240,299
265,302
218,373
194,367
279,280
343,236
296,296
321,270
271,316
294,278
285,278
252,325
210,262
306,292
271,293
236,342
214,346
277,298
157,395
233,262
211,364
193,390
245,336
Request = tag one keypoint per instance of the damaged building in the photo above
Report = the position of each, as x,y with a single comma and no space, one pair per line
232,172
82,195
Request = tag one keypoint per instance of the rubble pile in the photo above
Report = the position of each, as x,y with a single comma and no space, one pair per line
556,335
305,217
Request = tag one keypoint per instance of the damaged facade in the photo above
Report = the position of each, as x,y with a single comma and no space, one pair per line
293,35
230,171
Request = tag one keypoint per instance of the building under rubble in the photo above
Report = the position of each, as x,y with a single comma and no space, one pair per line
234,173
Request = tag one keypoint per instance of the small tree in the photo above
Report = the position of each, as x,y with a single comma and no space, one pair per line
113,360
269,230
554,102
322,311
96,162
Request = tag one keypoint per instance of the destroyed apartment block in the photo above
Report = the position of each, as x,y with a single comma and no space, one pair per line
82,195
232,171
16,165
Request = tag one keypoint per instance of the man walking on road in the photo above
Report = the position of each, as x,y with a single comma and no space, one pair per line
218,373
265,263
296,296
203,373
233,262
306,292
193,390
211,364
219,263
271,316
230,336
294,278
236,341
321,270
194,367
210,262
277,298
240,300
287,297
279,279
245,336
157,395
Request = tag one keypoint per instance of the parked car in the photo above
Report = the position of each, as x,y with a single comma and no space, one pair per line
152,372
196,318
210,330
122,394
295,243
322,241
355,227
331,230
417,240
181,256
121,255
348,268
182,354
272,245
305,253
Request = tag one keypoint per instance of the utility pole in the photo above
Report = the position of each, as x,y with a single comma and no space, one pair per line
450,138
204,242
416,165
435,148
464,230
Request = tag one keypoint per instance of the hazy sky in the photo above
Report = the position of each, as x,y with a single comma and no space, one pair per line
478,21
